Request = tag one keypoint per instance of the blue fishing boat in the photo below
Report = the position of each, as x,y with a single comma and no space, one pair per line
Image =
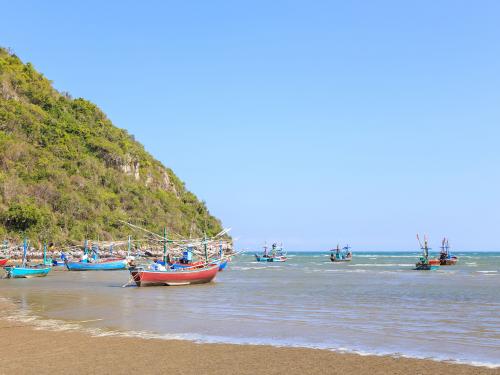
275,255
336,255
91,261
112,265
25,271
14,272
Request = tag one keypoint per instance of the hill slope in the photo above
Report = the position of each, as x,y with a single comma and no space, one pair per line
67,173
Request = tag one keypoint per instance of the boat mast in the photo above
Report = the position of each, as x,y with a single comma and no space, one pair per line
44,253
25,249
165,245
129,246
426,248
205,247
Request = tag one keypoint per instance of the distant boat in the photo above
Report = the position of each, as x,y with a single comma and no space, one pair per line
171,277
424,263
338,255
25,271
275,255
3,262
445,257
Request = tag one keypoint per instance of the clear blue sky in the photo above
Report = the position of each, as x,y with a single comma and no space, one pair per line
306,122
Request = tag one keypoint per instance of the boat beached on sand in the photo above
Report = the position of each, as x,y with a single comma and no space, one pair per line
344,255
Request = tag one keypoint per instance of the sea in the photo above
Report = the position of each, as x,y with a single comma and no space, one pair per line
375,305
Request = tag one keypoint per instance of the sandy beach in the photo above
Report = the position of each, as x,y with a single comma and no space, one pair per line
26,350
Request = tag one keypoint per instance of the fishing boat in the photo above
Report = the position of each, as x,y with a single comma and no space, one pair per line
183,274
275,255
3,262
338,255
171,277
15,272
91,261
424,263
445,257
97,266
25,271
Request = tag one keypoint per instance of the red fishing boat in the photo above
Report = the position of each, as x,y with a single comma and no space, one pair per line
445,257
182,276
3,262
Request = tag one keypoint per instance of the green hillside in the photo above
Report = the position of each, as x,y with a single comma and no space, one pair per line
67,173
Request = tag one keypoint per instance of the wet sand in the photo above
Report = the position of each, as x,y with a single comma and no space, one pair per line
26,350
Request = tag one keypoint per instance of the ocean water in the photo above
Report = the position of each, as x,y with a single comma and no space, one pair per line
375,304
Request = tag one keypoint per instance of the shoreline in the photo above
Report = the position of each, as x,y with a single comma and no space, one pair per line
27,348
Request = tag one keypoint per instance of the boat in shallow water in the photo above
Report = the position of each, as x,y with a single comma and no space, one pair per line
275,255
424,263
25,271
445,257
344,255
111,265
15,272
171,277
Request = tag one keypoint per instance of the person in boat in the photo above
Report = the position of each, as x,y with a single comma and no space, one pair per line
85,258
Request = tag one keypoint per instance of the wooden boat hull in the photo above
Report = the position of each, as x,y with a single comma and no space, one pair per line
426,267
270,259
100,266
3,262
335,260
174,277
448,261
434,262
26,273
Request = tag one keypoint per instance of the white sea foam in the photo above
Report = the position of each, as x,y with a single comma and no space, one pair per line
28,318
